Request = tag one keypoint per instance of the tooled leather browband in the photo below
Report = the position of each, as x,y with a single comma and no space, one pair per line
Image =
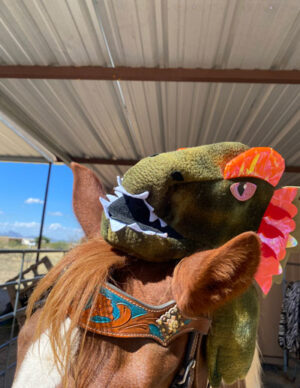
117,314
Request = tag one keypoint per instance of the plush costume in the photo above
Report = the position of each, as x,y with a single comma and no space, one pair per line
170,205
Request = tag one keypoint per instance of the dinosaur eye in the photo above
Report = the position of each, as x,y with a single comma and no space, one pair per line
243,191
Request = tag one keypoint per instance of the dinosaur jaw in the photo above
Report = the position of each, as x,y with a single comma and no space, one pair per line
133,211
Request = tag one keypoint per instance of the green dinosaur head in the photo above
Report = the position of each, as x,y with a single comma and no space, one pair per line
173,204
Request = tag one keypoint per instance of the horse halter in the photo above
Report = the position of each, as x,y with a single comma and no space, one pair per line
115,313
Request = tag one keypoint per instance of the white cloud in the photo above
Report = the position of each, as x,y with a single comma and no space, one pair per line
56,226
33,200
59,231
56,214
55,231
31,224
18,224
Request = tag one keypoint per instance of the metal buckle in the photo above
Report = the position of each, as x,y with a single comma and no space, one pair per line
191,365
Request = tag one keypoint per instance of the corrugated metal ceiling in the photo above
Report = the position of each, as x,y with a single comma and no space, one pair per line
192,33
10,144
133,119
56,32
17,145
245,34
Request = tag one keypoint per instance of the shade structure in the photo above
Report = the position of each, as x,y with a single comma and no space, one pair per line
128,120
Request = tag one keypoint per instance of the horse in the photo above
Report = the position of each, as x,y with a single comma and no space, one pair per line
54,350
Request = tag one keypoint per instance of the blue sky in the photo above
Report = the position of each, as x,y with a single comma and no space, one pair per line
21,201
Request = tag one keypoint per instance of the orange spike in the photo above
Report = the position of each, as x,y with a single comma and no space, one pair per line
276,245
259,162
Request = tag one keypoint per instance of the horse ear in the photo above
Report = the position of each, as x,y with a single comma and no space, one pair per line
207,280
86,192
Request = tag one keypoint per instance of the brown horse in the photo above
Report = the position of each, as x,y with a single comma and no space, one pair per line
54,352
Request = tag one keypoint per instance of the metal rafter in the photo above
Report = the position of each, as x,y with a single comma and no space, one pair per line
131,162
123,73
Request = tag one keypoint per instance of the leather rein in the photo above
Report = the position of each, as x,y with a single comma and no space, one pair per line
115,313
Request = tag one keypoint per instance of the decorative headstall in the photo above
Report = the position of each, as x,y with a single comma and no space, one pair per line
115,313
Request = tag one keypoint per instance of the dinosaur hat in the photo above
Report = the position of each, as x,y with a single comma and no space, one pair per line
173,204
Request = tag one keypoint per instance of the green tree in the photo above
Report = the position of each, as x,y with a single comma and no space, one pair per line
45,240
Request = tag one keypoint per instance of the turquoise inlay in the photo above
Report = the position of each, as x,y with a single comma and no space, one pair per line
99,319
136,311
187,321
89,304
154,330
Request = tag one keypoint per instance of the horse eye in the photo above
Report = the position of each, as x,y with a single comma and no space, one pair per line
243,191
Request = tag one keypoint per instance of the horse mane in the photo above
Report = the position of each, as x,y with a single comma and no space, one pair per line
71,284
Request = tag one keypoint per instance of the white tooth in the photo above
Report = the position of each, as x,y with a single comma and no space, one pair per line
122,190
153,217
135,227
116,225
162,223
111,198
149,232
143,195
164,235
119,189
105,205
148,205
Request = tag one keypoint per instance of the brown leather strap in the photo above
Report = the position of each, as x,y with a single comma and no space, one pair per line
201,371
115,313
186,374
193,373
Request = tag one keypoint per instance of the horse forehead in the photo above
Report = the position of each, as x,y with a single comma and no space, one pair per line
151,282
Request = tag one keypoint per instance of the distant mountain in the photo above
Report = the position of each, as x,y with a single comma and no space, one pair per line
11,233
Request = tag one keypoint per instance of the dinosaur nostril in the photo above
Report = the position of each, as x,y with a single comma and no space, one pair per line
177,176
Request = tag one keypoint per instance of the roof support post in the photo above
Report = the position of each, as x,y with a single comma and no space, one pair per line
44,212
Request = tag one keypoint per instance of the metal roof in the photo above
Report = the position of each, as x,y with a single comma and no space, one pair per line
130,120
10,144
192,33
209,34
18,146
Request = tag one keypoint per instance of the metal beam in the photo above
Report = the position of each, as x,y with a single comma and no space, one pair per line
294,169
112,162
131,162
99,161
123,73
23,159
